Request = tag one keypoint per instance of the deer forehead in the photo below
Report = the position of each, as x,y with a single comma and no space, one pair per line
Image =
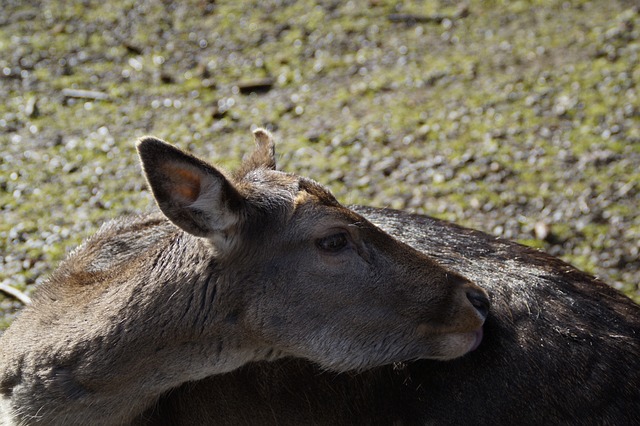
267,184
275,187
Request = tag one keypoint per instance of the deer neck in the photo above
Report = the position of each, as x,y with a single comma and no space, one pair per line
163,328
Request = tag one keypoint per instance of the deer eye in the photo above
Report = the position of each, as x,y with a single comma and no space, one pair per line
333,243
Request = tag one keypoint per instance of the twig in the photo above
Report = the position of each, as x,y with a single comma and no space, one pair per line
12,291
85,94
410,18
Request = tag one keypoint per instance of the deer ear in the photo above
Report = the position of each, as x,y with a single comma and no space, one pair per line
192,194
265,152
263,156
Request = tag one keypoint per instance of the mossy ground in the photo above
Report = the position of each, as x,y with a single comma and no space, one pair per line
503,116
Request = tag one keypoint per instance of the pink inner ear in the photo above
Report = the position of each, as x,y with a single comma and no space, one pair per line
185,183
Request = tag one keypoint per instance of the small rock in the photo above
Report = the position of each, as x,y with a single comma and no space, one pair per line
132,48
313,136
260,85
218,112
166,78
542,231
31,108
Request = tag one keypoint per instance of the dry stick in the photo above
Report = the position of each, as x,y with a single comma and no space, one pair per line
410,18
85,94
12,291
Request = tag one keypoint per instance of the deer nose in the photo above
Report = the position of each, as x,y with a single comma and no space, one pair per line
479,301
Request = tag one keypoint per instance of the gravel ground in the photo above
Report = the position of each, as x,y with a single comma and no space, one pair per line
521,119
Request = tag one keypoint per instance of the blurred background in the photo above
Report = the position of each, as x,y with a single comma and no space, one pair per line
518,118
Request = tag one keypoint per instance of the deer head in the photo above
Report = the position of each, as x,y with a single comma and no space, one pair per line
312,278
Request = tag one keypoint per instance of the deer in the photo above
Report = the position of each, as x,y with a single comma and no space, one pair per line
560,347
237,268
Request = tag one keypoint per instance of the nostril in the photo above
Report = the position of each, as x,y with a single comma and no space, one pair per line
479,301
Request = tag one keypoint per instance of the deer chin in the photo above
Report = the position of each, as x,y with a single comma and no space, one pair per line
455,344
450,344
478,335
443,346
459,344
